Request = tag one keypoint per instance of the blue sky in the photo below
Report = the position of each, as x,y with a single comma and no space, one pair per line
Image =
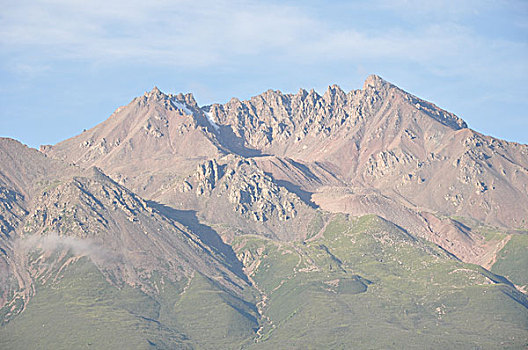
66,65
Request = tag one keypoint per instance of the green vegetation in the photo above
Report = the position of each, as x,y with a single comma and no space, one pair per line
213,318
512,260
82,310
368,284
365,283
316,224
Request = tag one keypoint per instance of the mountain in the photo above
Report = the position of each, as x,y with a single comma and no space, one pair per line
369,217
154,137
375,150
383,138
79,221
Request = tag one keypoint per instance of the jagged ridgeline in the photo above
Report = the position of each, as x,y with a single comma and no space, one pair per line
362,219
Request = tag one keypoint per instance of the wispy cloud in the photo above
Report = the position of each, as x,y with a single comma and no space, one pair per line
444,8
165,32
207,33
80,247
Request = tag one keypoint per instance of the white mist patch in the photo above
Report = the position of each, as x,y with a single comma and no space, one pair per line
78,247
181,106
209,116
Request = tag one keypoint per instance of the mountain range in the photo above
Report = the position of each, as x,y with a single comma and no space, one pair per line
363,219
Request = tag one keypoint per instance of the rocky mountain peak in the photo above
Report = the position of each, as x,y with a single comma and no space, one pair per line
377,85
313,93
381,135
335,89
271,92
155,94
185,102
334,94
376,82
302,93
187,99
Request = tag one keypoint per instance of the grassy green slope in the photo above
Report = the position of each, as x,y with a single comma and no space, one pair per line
512,260
213,318
82,310
368,284
364,283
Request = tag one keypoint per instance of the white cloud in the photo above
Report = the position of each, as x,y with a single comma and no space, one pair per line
446,8
79,247
216,33
168,32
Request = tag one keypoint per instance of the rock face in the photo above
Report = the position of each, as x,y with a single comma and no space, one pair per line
235,191
384,138
152,139
251,192
23,172
134,238
378,139
304,123
74,213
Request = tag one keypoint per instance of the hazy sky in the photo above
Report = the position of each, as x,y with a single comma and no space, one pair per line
66,65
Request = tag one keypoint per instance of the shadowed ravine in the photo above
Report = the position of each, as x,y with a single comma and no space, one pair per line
206,234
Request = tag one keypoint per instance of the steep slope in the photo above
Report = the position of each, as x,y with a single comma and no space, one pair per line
381,150
375,150
133,238
366,282
156,137
235,195
382,137
22,172
167,149
86,245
